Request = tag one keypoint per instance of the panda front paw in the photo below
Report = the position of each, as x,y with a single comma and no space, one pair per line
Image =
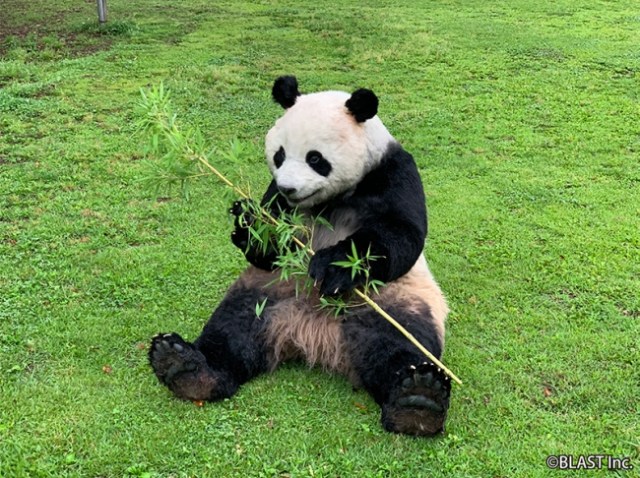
334,279
242,223
245,219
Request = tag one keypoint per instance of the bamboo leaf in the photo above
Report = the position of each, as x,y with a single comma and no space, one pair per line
260,307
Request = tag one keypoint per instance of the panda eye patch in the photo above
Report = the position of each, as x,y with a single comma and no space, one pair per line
318,163
279,157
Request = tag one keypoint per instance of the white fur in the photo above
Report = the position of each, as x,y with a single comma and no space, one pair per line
344,222
322,122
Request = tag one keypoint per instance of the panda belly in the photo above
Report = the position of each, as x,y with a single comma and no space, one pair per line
344,222
295,327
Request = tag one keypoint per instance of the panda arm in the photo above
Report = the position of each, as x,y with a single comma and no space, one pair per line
391,203
398,226
275,203
395,242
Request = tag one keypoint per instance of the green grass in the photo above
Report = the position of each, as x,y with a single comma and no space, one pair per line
523,118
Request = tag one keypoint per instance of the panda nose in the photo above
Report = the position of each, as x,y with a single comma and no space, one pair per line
287,191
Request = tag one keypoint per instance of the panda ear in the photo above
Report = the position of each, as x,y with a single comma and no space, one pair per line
285,91
363,105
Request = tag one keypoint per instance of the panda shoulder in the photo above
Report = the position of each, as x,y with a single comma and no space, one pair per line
396,162
396,170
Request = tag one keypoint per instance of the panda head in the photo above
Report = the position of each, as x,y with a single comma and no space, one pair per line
325,142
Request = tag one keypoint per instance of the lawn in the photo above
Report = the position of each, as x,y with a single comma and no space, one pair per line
524,119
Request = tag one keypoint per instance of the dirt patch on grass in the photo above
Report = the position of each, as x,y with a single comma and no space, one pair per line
68,28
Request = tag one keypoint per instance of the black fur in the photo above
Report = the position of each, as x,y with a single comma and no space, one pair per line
285,91
394,214
363,105
369,335
413,394
229,352
274,202
390,203
231,339
279,157
318,163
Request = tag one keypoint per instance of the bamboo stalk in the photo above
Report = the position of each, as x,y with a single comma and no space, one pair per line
407,334
361,294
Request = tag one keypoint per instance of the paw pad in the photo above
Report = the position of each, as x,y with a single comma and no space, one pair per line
419,404
181,367
170,355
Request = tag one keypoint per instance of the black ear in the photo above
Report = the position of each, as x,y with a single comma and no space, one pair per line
363,104
285,91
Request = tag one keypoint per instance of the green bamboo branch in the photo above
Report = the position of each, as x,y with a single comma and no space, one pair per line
160,122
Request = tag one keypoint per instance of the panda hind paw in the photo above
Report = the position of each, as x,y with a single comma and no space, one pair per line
181,367
420,403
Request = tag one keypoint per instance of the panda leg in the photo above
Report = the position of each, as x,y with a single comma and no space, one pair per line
229,351
412,392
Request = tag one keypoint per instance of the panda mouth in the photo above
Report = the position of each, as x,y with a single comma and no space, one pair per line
296,201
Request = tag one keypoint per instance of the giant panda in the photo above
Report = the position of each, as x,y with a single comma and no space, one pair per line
329,155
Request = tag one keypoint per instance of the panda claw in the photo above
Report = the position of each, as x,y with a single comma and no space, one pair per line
428,375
